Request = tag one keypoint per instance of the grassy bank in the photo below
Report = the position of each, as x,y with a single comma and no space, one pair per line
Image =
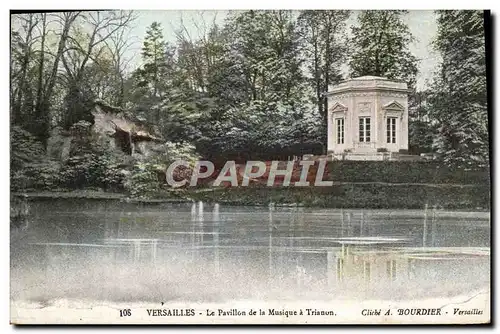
404,172
357,184
353,196
367,195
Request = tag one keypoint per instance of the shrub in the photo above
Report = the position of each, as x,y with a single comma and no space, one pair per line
30,167
37,176
381,149
24,148
78,171
147,175
100,168
180,151
111,176
143,180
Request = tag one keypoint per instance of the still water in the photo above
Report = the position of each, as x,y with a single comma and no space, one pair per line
120,252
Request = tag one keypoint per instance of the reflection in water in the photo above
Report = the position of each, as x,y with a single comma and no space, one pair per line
216,238
117,251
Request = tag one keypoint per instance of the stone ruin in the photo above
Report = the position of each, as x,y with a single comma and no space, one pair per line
113,127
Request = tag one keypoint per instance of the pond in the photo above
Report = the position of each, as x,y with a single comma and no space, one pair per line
106,250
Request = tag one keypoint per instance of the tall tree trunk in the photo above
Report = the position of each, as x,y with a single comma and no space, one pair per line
39,90
18,101
42,110
378,69
121,96
317,74
326,71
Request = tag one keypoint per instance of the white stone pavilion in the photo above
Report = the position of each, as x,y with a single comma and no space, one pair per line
367,116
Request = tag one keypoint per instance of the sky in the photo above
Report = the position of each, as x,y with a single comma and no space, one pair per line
422,24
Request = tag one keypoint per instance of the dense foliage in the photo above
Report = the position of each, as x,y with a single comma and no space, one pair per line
381,47
251,87
458,102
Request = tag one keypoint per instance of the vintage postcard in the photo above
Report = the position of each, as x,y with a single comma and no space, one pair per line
250,167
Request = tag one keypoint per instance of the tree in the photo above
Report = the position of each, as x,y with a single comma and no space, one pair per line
260,82
459,101
22,53
381,47
35,67
102,81
157,57
118,44
263,48
422,126
152,81
86,45
324,48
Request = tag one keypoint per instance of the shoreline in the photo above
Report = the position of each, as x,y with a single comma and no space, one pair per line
318,198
